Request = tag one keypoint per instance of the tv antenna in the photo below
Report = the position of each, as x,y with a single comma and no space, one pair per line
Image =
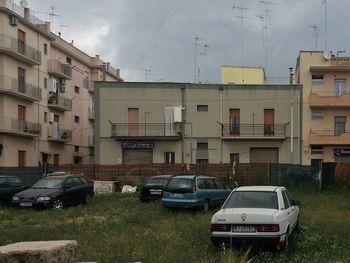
62,26
204,54
262,19
147,73
242,30
51,13
266,5
197,43
325,24
315,28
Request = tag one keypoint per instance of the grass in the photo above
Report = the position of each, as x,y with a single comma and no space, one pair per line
118,228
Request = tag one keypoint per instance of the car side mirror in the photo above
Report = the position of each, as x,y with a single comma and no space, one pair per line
296,202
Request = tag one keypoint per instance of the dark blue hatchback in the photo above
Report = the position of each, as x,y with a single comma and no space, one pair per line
194,191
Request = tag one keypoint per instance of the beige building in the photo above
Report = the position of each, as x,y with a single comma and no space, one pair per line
46,92
197,123
326,125
242,75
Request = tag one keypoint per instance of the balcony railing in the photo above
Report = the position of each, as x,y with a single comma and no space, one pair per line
13,47
59,102
91,113
10,4
329,137
253,131
20,89
55,133
146,130
332,99
59,69
20,127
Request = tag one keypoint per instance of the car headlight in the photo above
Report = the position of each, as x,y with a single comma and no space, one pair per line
15,198
43,198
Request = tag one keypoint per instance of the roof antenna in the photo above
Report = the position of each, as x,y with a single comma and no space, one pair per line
315,28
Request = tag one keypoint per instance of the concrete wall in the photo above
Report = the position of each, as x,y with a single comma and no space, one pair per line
242,75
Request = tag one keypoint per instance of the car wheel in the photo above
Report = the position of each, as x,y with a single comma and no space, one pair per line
87,199
57,204
297,227
206,206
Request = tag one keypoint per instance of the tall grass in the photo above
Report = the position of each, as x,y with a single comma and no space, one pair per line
119,228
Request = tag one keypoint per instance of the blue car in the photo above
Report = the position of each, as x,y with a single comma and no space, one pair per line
194,191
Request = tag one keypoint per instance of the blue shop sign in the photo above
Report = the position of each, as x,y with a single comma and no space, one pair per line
137,144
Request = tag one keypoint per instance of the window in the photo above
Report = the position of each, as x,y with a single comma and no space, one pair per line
234,121
45,83
210,184
68,60
317,79
200,184
45,48
202,153
285,200
269,121
76,89
45,117
317,114
219,185
56,159
316,149
234,158
21,158
169,157
21,80
202,161
76,119
202,107
76,148
339,125
339,86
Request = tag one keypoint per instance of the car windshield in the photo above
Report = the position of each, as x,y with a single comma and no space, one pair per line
49,183
252,199
179,184
157,181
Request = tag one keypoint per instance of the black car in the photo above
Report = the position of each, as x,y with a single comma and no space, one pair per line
153,187
56,192
9,185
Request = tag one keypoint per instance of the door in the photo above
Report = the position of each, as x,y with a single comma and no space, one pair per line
56,159
263,155
235,122
269,122
22,118
21,41
339,125
290,209
133,120
137,156
339,86
21,158
21,80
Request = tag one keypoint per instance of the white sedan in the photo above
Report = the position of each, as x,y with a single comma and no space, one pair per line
256,214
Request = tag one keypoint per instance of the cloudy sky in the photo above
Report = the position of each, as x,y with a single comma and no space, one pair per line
159,35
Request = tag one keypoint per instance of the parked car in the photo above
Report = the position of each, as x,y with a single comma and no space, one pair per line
256,214
153,187
56,192
9,185
194,191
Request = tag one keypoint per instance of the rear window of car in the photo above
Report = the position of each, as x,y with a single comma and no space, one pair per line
157,181
48,183
179,185
252,199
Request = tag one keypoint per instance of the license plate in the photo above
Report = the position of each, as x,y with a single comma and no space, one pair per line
155,192
25,204
177,195
248,229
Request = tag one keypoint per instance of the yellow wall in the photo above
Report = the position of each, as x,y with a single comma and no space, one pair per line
242,75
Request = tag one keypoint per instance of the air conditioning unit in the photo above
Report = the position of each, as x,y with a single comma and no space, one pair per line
63,88
13,20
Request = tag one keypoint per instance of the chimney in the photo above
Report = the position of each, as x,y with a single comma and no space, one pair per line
59,34
72,43
27,13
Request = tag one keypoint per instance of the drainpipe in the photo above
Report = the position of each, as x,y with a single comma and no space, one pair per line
221,114
183,128
291,116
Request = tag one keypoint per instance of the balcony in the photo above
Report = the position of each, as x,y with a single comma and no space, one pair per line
91,114
23,90
329,100
18,127
59,69
59,103
56,134
156,131
254,132
329,137
19,50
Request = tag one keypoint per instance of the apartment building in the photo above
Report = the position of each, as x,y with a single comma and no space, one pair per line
197,123
46,92
325,78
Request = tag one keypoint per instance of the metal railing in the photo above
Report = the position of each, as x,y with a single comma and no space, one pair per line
253,130
18,47
60,102
146,130
56,133
328,92
20,126
329,132
13,85
61,69
10,4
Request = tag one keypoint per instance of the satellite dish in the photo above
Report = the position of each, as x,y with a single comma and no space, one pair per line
327,55
24,3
